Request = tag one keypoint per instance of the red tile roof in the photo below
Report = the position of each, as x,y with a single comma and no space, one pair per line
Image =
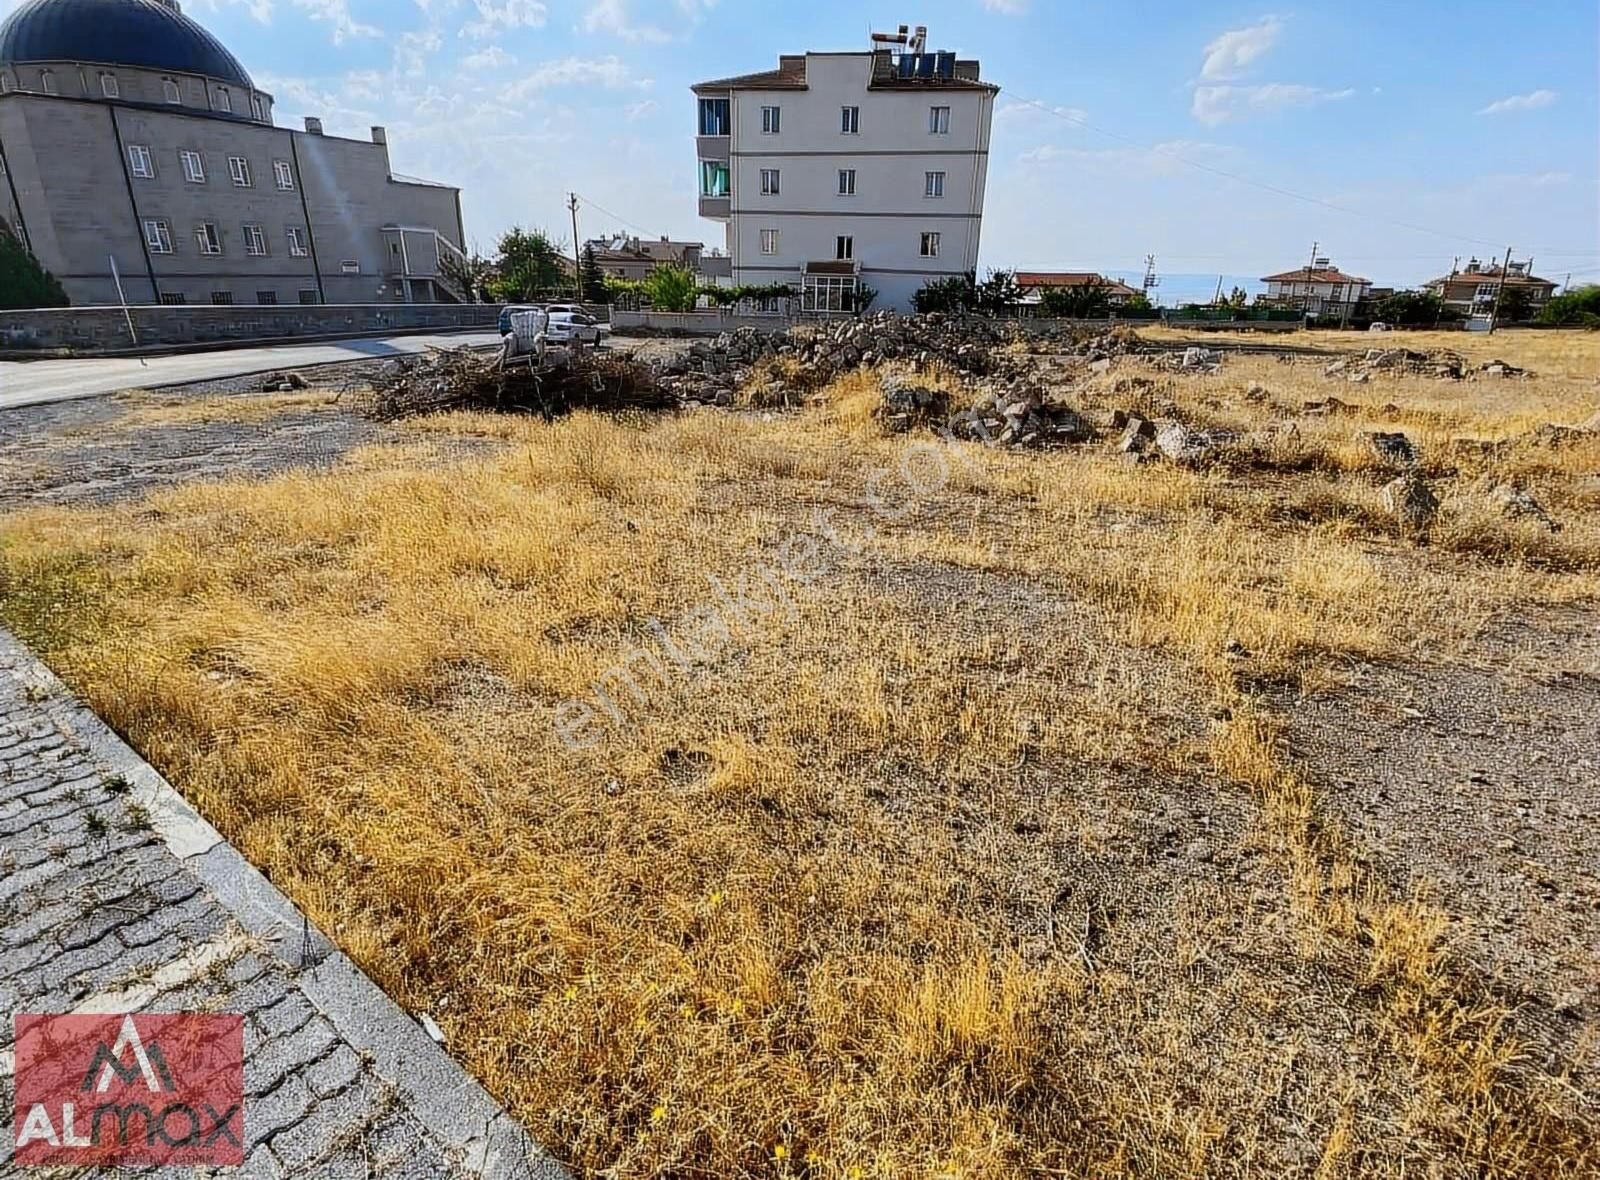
1034,279
1321,274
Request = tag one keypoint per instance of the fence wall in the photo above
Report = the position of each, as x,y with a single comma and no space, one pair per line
105,329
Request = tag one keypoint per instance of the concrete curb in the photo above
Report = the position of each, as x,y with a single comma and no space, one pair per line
450,1102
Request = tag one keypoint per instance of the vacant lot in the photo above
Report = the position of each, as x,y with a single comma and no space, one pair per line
770,795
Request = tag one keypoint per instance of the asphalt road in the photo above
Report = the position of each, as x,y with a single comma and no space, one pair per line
30,383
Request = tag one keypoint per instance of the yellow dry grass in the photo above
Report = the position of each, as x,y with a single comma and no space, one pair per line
159,409
849,876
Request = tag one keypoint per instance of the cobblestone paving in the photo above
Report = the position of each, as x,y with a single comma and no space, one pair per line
116,897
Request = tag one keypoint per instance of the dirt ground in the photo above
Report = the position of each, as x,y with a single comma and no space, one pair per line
775,795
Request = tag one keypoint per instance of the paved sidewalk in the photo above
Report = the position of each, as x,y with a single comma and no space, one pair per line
115,896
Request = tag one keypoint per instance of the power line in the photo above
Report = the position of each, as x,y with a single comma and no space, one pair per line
1260,184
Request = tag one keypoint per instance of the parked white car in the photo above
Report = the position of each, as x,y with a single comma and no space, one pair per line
569,323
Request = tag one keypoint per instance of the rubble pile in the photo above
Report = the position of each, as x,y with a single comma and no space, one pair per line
447,379
1021,418
1358,369
1190,360
283,382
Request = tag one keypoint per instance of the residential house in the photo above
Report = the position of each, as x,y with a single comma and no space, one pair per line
1321,290
1035,282
634,258
1472,290
841,171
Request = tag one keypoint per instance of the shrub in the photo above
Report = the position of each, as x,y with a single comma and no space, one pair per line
1576,307
670,288
23,282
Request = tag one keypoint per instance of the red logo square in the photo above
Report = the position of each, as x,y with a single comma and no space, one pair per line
149,1089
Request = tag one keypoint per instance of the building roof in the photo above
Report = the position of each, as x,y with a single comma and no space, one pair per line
790,75
146,34
1491,274
1033,279
1318,274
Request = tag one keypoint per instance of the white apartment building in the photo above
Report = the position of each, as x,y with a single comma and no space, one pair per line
842,171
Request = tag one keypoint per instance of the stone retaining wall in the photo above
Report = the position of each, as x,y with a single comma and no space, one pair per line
103,329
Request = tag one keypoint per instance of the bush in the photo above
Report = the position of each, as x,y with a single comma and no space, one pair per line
23,282
1413,309
1576,307
670,288
1077,303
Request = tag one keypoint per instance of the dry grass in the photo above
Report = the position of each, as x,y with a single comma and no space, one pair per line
879,881
158,409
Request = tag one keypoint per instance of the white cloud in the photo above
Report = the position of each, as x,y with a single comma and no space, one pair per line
261,10
618,18
1020,113
1218,104
1007,7
1161,159
1521,102
497,16
491,58
612,73
1231,53
639,110
337,14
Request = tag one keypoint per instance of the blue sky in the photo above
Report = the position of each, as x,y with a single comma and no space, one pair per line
1473,120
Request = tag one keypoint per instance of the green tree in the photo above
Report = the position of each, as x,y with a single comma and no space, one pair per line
469,272
591,280
1412,309
1516,305
529,264
1088,301
1581,306
998,293
955,294
670,288
23,282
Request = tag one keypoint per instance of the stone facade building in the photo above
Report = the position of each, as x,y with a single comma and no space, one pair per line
129,134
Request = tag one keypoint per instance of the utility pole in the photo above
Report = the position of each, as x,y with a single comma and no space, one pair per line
577,257
1500,290
1305,310
1151,281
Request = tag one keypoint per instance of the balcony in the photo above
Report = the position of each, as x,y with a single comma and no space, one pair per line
716,189
714,147
716,208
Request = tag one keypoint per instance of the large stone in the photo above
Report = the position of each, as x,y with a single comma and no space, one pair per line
1411,501
1519,504
1185,445
1392,447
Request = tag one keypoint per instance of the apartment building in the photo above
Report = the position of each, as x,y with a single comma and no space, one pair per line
133,145
1320,289
842,172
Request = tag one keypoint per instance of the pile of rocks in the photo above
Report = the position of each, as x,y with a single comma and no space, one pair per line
1020,418
1359,369
1190,360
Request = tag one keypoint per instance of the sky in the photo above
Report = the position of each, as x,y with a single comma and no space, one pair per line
1225,138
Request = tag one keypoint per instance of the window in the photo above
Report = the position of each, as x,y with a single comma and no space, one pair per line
938,120
194,168
933,184
258,109
210,240
844,248
714,178
714,116
47,81
174,298
849,120
158,236
309,297
266,298
109,87
930,245
1485,292
139,161
222,298
847,182
255,241
297,242
284,174
769,182
239,169
771,120
169,87
828,293
224,100
350,267
769,241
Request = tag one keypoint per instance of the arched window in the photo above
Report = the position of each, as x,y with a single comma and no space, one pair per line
170,87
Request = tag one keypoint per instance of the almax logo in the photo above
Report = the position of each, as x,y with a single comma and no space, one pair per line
138,1099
